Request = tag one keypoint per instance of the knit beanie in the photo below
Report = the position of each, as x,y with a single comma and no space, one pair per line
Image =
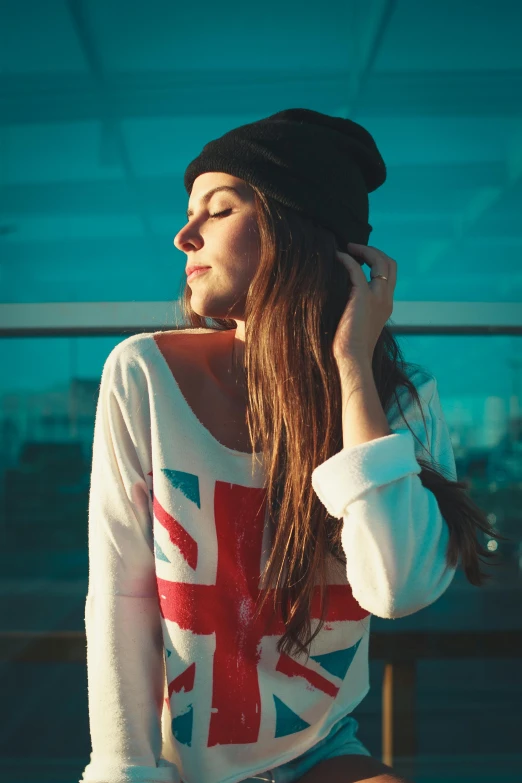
322,166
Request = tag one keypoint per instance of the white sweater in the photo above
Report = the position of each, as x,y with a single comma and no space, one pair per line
182,686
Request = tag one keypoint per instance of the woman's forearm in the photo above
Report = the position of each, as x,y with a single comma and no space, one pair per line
362,413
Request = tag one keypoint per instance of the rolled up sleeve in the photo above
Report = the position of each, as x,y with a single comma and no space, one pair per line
394,536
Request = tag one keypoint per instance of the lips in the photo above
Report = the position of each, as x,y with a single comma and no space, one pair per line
194,271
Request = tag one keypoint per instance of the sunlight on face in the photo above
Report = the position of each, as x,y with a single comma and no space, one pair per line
221,234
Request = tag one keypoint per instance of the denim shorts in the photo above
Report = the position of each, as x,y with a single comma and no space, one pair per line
342,740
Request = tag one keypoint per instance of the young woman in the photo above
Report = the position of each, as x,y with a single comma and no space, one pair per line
264,484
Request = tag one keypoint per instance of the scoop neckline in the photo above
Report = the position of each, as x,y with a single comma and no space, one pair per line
191,412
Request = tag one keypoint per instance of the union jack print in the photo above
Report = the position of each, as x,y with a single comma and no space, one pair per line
225,609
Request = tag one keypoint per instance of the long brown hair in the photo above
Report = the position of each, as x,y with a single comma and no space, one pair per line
293,306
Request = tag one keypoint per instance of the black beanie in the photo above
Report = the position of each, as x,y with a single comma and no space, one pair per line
321,166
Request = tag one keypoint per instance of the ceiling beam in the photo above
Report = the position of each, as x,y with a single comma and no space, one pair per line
365,35
46,97
111,133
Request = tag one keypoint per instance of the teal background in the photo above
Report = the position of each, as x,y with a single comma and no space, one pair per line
103,104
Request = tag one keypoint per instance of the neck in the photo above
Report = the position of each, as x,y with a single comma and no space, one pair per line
226,361
235,364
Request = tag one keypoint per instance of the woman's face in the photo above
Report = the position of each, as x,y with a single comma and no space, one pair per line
227,244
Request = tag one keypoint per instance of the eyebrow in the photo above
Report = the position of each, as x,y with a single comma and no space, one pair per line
206,198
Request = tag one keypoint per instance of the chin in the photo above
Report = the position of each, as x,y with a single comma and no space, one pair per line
203,313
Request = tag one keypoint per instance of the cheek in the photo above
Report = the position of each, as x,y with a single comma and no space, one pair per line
242,242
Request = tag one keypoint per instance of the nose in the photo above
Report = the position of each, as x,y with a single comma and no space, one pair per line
186,239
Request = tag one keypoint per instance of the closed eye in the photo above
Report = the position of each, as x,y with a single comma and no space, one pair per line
220,214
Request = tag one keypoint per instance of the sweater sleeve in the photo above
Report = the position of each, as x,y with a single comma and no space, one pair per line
125,664
394,536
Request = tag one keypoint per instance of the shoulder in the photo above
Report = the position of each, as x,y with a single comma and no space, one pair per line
131,351
132,362
128,352
180,338
425,384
